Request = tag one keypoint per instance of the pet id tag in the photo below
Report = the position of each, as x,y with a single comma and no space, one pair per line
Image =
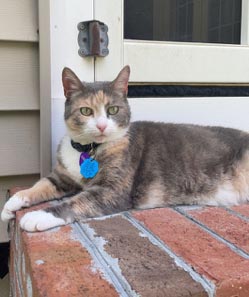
89,167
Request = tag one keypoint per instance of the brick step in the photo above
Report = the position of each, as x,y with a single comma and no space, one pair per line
168,252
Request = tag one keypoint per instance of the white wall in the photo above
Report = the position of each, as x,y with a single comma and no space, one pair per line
221,111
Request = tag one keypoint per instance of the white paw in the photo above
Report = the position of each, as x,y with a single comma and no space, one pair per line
40,220
11,206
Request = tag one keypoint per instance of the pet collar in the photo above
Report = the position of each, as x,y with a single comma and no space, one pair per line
89,167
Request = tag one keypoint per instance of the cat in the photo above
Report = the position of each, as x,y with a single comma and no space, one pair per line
136,165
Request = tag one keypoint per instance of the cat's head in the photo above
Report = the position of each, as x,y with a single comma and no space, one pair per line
96,112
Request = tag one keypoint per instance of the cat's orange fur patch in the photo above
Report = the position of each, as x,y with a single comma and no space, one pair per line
41,191
154,197
241,178
99,98
93,101
117,147
233,189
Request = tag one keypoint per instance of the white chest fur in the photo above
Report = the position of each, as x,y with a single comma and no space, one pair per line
70,158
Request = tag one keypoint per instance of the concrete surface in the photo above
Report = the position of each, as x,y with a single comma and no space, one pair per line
4,286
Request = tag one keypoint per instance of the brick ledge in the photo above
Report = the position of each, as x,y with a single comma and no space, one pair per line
182,251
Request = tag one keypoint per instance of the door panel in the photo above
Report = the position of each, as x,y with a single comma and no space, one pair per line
188,63
171,62
155,61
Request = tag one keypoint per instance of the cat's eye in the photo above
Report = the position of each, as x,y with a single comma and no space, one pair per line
86,111
112,110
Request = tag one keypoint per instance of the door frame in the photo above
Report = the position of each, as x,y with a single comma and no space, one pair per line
58,20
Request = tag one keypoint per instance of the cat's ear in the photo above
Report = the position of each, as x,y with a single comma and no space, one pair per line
71,83
120,84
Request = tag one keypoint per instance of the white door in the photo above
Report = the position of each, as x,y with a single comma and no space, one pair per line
210,47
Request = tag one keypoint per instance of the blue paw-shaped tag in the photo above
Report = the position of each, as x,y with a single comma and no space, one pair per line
89,168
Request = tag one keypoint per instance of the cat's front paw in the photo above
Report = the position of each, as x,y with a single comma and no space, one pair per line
40,220
15,203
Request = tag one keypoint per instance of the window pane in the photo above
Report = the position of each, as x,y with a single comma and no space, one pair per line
183,20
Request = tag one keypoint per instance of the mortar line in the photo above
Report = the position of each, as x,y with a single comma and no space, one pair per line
232,246
118,281
236,214
208,286
17,273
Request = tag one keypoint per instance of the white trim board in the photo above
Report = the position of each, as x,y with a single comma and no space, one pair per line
59,48
186,62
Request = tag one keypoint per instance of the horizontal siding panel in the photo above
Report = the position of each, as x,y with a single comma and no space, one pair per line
19,20
19,76
8,182
20,144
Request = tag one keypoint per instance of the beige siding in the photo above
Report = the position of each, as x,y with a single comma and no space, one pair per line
19,20
19,76
19,97
9,182
19,147
19,85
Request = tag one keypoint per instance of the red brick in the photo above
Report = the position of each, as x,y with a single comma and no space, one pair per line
208,256
149,270
233,288
59,265
242,209
224,224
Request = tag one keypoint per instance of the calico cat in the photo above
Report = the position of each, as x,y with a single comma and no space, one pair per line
135,165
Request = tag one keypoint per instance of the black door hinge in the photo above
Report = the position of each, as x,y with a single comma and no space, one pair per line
93,39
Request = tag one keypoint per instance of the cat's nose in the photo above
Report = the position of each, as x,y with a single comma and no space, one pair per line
101,127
